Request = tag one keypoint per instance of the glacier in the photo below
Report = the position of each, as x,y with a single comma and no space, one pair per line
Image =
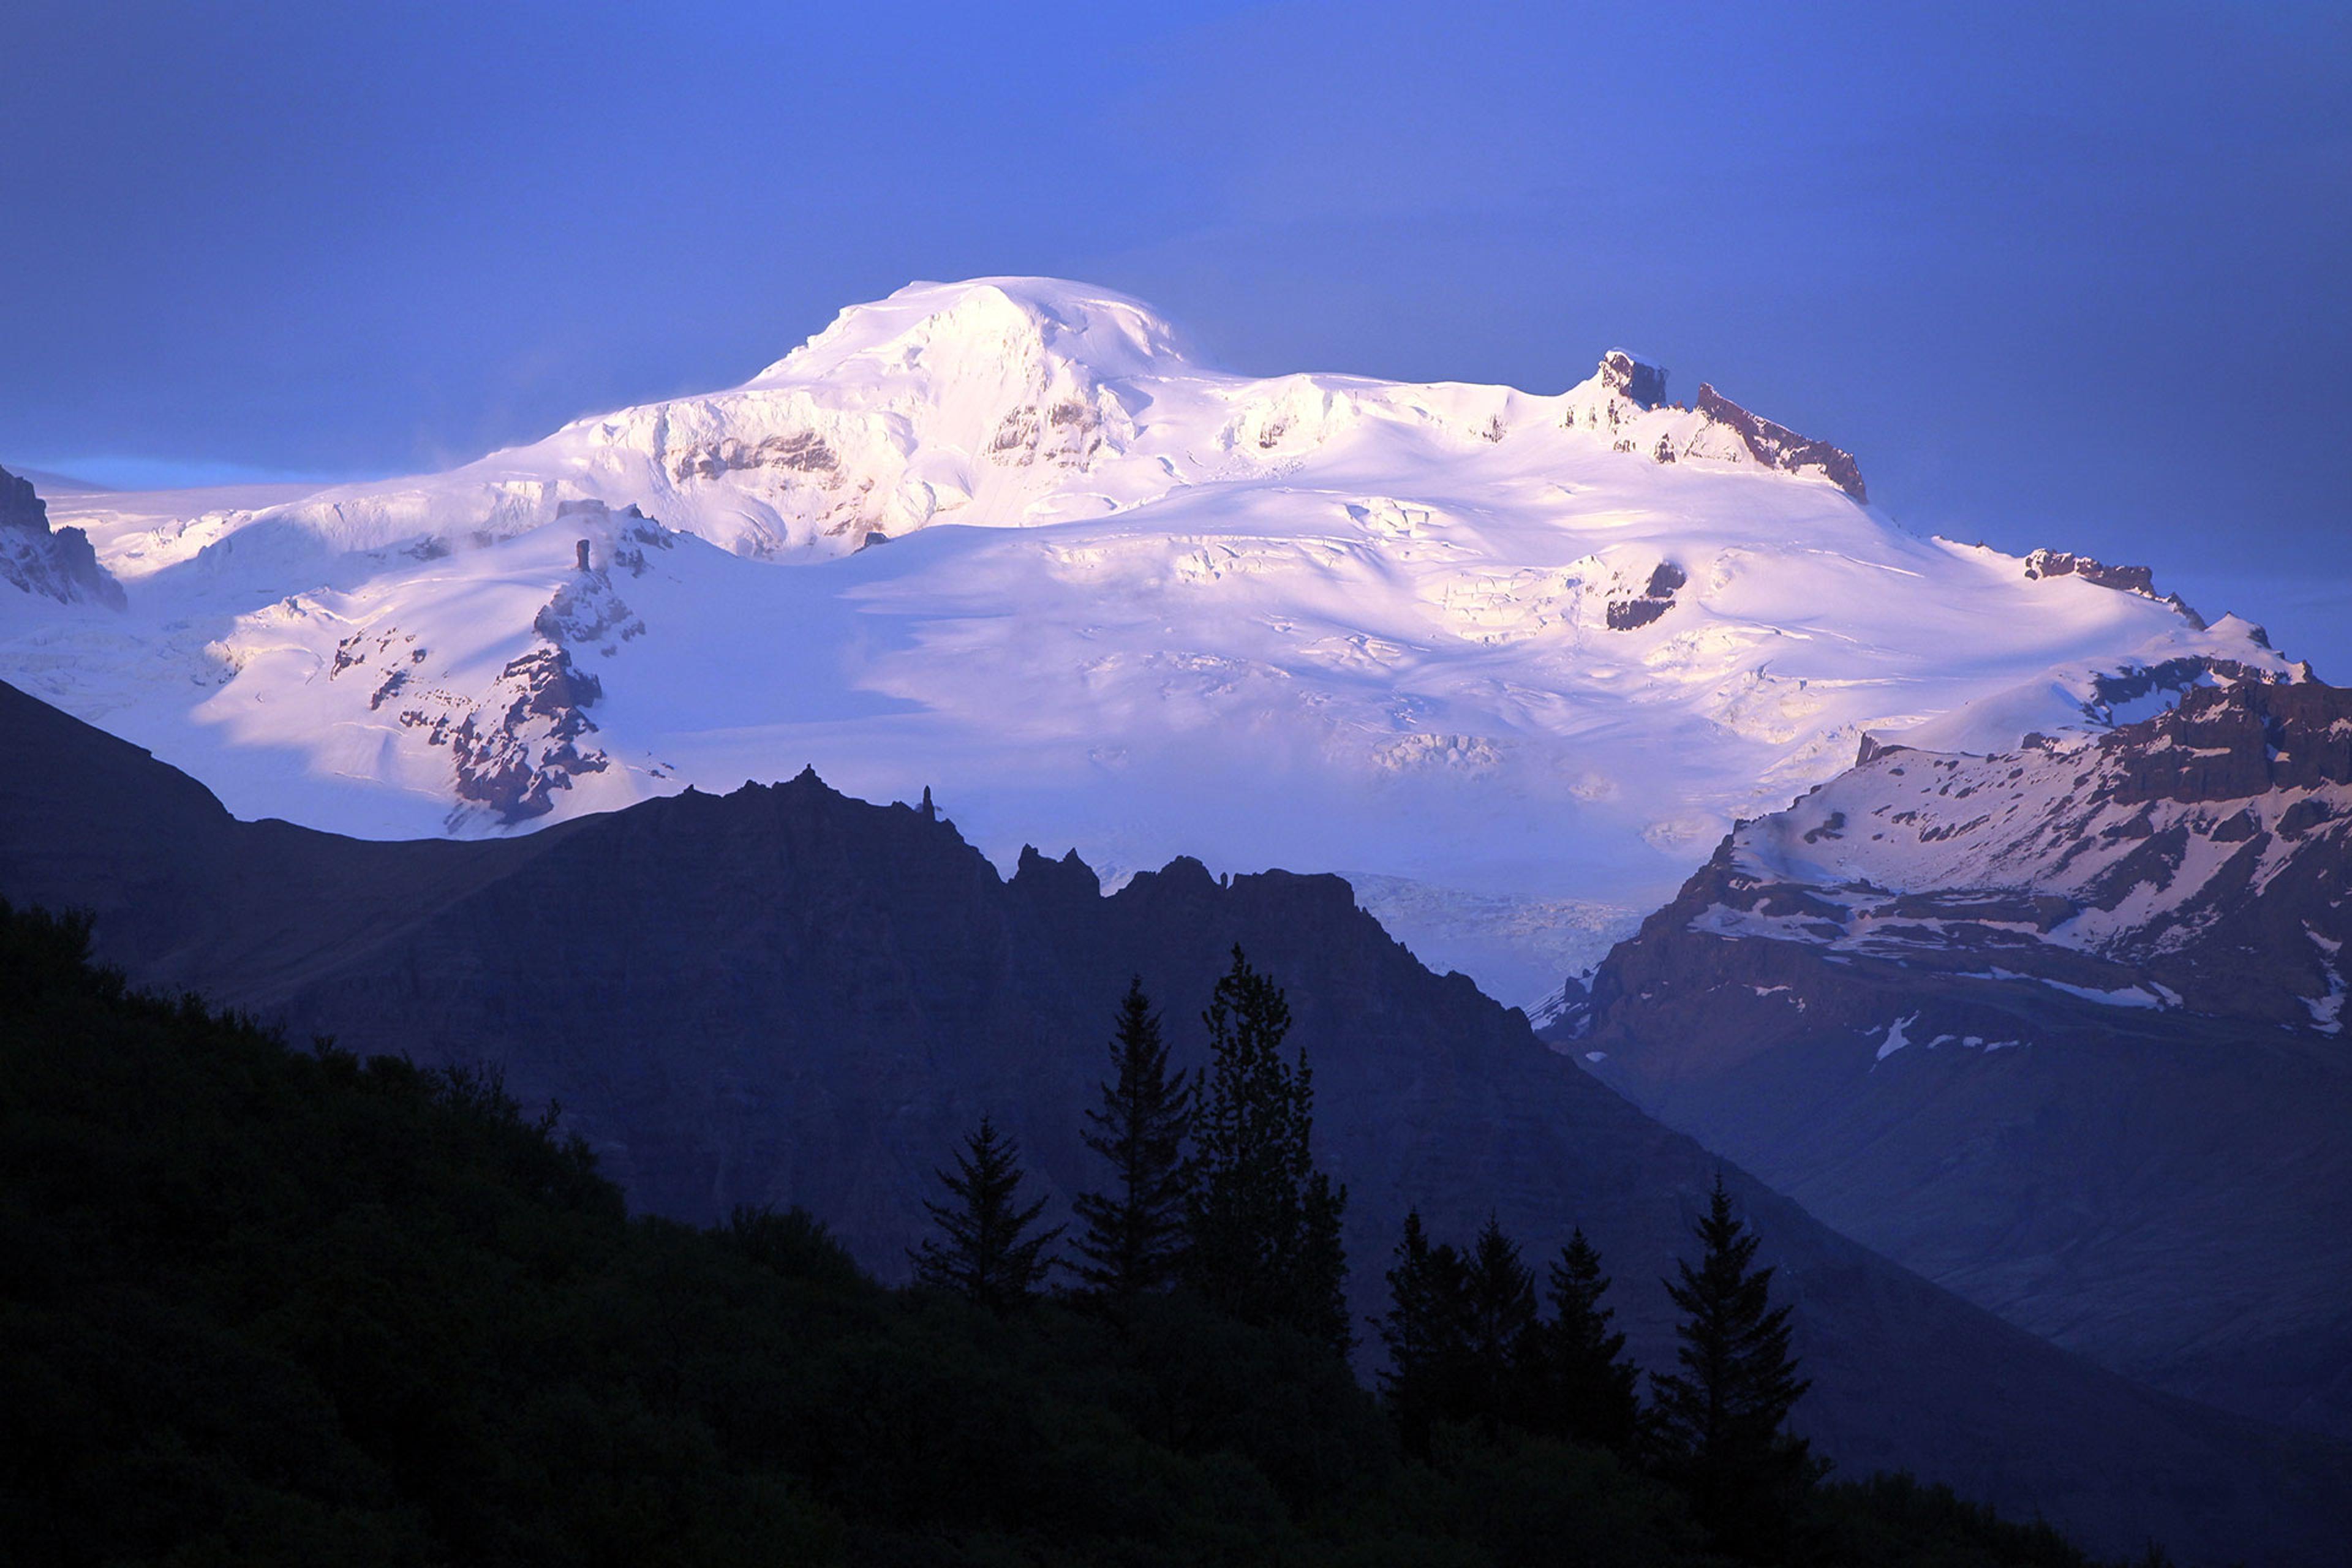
1515,662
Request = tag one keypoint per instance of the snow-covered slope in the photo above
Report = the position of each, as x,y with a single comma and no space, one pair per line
2192,861
2149,850
1524,658
2061,1028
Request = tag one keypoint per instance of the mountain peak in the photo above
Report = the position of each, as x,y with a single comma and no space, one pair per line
1640,381
1623,401
943,327
1133,577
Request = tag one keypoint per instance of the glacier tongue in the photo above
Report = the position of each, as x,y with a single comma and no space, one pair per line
1522,658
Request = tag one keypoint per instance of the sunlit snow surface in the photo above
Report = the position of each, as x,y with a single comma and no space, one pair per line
1006,541
1899,855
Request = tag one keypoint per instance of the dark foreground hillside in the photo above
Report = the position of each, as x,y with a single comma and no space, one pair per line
264,1307
785,996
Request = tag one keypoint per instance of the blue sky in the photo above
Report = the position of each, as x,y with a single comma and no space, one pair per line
2070,276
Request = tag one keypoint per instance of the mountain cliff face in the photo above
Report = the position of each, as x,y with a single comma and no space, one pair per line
785,994
1008,539
2061,1027
56,564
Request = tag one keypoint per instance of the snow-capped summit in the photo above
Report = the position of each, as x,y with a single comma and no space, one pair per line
950,332
1514,660
1626,400
1641,381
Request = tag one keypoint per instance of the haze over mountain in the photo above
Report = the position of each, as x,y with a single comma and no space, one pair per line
1513,661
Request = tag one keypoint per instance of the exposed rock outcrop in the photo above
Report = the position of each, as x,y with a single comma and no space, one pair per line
587,613
510,752
1066,433
57,563
2238,743
1777,446
2115,689
1656,597
1638,381
803,451
528,737
2138,580
1624,403
511,760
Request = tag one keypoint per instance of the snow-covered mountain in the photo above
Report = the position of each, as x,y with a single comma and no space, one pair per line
2061,1028
2196,860
1516,659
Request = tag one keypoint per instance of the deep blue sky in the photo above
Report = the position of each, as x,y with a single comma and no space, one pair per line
2072,275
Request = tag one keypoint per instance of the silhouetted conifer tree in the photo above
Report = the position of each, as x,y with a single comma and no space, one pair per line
1586,1387
1263,1223
986,1252
1461,1333
1424,1333
1720,1422
1134,1234
1499,1330
1321,1278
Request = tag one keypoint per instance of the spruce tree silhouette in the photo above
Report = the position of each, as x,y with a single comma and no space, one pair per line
1263,1222
985,1252
1319,1284
1427,1333
1499,1324
1461,1335
1587,1389
1720,1422
1134,1235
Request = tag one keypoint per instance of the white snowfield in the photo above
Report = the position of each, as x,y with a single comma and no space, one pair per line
1523,659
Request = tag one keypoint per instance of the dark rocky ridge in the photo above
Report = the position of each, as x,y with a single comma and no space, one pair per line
785,995
1633,387
2234,743
57,563
2180,677
1904,1061
2138,580
1777,447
